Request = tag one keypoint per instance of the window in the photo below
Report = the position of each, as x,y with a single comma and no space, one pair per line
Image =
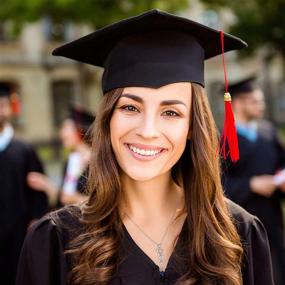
57,30
62,96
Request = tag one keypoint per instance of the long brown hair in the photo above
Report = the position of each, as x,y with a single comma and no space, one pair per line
214,248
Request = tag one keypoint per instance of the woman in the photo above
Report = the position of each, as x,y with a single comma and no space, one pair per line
156,213
75,137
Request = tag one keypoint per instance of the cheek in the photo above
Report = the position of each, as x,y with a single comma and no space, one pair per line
70,136
247,109
254,108
8,111
177,136
261,107
118,127
5,111
180,138
176,131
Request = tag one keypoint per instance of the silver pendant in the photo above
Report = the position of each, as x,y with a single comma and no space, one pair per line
160,255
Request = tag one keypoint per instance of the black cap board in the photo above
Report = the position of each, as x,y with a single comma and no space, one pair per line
150,50
243,86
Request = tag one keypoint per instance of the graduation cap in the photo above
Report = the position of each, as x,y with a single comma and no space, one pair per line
82,119
150,50
243,86
5,90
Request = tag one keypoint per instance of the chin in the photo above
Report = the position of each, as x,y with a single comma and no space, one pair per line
68,145
143,175
140,177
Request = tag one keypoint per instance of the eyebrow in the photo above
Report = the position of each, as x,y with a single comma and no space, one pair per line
163,103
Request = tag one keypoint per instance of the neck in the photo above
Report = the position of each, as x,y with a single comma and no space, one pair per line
82,148
152,198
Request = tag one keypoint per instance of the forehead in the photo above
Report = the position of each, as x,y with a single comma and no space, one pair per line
68,123
180,90
256,95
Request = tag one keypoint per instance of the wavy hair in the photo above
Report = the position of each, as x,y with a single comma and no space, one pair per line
213,244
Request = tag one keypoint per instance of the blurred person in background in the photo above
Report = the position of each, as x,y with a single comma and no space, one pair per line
19,205
74,137
251,182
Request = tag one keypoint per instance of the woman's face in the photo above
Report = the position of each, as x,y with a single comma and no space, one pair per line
149,129
69,134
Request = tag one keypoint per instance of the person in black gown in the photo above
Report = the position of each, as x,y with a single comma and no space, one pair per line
19,205
156,213
251,182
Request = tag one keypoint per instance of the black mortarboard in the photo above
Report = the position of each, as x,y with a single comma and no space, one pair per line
150,50
155,49
82,118
5,90
243,86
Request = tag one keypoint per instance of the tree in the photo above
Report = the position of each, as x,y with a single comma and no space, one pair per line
97,13
259,22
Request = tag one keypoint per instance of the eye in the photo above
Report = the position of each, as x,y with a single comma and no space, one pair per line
129,108
171,113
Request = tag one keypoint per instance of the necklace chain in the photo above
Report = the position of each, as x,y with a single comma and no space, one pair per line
159,250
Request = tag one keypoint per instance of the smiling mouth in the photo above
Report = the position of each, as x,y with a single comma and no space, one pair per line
147,152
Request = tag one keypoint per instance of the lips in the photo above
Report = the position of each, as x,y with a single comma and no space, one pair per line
144,150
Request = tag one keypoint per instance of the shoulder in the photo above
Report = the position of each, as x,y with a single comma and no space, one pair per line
266,126
57,226
243,220
19,145
21,142
238,213
43,258
267,130
15,142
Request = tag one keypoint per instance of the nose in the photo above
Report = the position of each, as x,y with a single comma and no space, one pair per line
148,127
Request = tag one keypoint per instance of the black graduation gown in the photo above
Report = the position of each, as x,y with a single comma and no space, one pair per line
264,156
18,204
43,261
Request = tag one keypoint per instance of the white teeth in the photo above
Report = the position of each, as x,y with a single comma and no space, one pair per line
143,151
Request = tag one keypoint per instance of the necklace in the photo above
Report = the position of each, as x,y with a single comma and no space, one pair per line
158,245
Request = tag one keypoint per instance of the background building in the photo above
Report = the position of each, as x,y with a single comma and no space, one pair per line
46,85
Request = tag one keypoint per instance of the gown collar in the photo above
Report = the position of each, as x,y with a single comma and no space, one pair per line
249,131
174,267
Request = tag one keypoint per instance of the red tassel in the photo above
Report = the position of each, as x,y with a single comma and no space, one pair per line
15,104
229,137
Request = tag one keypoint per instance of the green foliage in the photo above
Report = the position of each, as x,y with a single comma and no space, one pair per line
98,13
258,22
